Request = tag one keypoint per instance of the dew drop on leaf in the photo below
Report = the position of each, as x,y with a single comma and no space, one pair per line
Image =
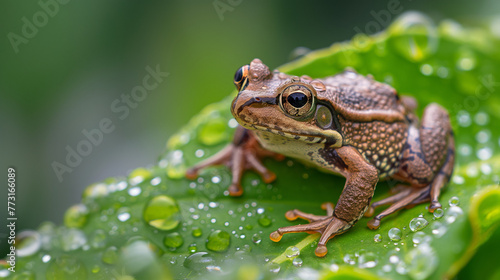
256,238
417,224
454,201
110,255
414,36
297,262
162,212
453,213
76,216
28,243
264,221
395,234
292,252
367,260
438,213
196,231
218,241
173,240
66,267
199,261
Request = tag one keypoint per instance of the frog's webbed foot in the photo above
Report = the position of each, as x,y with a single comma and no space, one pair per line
328,226
405,197
244,153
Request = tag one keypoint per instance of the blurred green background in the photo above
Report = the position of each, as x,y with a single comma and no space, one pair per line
65,78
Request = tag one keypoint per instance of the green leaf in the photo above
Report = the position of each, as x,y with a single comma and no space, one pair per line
154,224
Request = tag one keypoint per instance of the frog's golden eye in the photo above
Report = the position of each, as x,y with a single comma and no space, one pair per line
298,101
241,78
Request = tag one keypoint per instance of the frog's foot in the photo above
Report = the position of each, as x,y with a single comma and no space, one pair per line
328,226
244,153
406,197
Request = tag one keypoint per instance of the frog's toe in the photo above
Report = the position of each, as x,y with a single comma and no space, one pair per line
235,189
294,214
434,205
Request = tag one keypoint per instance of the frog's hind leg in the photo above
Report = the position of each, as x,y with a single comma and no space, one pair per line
427,164
242,154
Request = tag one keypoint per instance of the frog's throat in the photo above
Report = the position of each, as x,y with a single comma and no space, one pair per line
329,137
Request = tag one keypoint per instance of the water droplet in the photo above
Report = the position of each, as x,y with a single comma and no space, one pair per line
420,237
438,213
98,239
197,232
264,221
218,241
213,131
350,259
192,248
135,191
377,238
417,224
256,238
199,153
414,36
481,118
29,242
395,234
199,261
426,69
422,261
297,262
367,260
76,216
123,214
401,268
442,72
110,255
173,240
216,179
453,213
438,229
274,267
466,60
387,268
232,123
464,118
46,258
484,153
483,136
292,252
454,201
176,167
66,267
72,239
95,190
138,175
486,169
162,213
394,258
155,181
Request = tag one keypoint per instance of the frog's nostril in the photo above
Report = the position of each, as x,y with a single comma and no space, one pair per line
257,99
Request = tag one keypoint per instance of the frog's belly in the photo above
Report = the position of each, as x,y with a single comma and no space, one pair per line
303,151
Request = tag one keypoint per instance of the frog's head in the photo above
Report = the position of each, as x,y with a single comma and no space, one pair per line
284,105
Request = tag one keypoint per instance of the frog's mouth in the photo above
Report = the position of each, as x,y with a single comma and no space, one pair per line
332,141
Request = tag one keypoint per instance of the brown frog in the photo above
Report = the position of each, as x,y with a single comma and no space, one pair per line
347,124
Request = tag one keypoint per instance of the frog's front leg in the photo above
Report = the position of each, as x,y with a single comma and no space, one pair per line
242,154
358,191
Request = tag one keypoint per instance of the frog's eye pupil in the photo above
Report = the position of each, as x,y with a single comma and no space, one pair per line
241,78
238,75
297,99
